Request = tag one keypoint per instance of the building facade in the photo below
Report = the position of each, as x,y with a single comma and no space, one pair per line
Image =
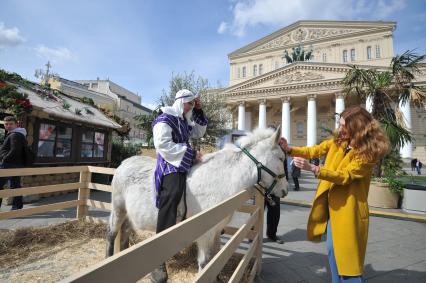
109,95
303,97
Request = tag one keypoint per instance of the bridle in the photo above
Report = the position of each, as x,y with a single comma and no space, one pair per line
266,191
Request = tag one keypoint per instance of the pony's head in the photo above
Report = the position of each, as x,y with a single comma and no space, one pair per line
262,144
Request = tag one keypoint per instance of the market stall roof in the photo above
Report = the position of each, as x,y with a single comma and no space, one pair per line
54,106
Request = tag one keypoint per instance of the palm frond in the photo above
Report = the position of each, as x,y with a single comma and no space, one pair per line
418,96
360,81
397,134
405,66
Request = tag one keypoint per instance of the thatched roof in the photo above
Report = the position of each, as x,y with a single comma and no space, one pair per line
54,107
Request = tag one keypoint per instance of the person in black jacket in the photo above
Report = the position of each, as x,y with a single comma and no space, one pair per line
273,214
295,174
12,155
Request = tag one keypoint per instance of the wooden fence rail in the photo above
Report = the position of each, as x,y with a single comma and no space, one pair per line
84,186
142,258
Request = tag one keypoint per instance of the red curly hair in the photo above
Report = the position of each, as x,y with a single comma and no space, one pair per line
365,134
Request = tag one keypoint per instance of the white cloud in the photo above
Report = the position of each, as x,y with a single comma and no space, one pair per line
54,54
387,8
222,27
251,13
9,37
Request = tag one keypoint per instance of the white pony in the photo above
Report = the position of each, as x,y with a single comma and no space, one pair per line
219,176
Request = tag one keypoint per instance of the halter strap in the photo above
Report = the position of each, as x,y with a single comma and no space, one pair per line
260,167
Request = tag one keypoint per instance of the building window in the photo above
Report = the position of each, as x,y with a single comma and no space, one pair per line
368,52
92,144
94,85
324,130
299,129
54,141
377,51
260,69
244,72
60,142
277,65
352,54
63,142
345,56
254,70
324,57
238,73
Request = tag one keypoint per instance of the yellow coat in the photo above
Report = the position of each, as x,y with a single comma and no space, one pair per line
341,196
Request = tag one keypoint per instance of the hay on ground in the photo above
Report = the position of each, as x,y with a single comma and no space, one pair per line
52,253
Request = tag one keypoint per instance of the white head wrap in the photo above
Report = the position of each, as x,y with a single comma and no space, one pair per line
182,96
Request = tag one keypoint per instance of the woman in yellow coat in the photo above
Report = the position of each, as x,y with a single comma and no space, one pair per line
340,206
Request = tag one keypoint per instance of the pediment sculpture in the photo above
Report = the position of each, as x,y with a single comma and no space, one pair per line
298,77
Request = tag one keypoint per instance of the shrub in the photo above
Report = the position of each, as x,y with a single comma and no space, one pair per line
122,150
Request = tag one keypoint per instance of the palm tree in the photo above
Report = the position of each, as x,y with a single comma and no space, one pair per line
387,88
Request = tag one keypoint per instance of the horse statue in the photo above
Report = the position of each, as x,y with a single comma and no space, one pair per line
219,176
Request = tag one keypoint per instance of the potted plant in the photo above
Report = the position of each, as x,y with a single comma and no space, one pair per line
386,191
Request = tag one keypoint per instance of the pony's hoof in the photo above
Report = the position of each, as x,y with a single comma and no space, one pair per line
159,275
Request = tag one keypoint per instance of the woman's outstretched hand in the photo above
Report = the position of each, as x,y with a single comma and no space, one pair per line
304,164
284,145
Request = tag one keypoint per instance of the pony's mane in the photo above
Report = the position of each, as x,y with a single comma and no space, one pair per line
254,137
246,141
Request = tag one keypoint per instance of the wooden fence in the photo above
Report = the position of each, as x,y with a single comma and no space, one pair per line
84,186
139,260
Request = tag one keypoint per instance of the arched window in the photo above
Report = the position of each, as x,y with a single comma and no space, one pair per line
324,57
238,73
260,69
244,72
254,70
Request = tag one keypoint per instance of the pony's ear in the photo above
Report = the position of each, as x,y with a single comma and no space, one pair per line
276,136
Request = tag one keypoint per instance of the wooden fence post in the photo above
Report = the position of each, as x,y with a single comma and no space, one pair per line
84,193
259,202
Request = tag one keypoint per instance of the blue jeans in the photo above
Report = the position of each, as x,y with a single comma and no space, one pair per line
14,182
336,278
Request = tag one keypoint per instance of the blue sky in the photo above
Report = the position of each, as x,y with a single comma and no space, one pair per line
139,44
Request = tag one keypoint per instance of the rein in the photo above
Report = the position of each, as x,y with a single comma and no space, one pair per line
266,191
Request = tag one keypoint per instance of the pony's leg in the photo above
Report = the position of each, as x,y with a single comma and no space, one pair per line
208,245
115,221
126,228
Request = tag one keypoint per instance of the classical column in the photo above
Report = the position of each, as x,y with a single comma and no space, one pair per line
369,104
340,106
241,116
285,120
312,121
262,114
407,150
